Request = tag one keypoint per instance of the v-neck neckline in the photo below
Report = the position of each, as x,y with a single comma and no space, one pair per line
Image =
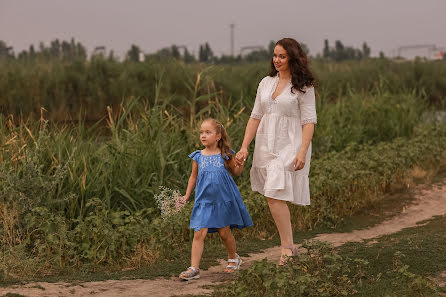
276,83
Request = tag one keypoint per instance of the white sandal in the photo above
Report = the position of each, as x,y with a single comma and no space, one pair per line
238,261
189,275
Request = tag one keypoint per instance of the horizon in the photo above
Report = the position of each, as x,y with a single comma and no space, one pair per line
153,26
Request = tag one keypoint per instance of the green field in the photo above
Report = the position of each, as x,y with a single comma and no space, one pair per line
79,195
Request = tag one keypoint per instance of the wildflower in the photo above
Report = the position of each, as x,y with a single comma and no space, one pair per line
168,202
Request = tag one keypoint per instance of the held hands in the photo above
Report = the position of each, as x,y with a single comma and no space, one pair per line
240,157
299,161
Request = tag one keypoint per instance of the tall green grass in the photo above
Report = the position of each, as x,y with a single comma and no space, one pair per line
75,195
66,88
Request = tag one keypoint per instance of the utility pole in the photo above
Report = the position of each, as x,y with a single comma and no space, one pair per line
232,39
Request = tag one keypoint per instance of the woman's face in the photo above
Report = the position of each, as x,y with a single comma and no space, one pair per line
280,59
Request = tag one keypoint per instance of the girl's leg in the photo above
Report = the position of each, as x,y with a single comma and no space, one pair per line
281,214
197,251
229,242
197,247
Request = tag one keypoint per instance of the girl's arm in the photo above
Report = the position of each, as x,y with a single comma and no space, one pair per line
234,168
192,182
250,133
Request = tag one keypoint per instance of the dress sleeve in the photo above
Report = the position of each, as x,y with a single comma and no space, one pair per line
195,156
307,106
257,112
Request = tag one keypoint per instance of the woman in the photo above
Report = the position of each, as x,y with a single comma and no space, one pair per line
282,120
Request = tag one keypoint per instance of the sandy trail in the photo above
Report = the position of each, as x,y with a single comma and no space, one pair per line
429,201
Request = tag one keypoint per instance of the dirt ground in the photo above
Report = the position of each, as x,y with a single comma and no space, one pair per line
429,201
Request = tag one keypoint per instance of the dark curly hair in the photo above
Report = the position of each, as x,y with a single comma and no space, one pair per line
301,75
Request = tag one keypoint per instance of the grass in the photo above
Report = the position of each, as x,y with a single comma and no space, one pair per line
406,263
424,252
390,205
80,198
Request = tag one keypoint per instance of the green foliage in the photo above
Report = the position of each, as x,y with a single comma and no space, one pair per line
133,53
342,53
72,196
406,262
76,199
66,88
368,120
205,53
320,271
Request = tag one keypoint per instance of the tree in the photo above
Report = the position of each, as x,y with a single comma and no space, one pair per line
326,52
258,55
305,48
32,52
365,50
81,52
175,53
165,53
188,58
5,50
205,54
67,51
339,54
55,51
133,53
271,47
23,55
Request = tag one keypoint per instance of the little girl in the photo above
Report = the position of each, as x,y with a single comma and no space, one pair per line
218,204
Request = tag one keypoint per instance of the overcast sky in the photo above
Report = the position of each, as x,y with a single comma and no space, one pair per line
383,24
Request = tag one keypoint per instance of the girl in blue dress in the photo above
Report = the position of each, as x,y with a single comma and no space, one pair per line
218,204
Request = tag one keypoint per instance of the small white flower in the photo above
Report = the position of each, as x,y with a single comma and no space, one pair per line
166,201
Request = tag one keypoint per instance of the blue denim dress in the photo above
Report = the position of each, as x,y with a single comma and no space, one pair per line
218,202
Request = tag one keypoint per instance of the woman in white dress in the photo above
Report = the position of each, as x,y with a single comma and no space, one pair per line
282,120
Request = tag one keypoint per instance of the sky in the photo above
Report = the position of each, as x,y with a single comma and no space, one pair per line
383,24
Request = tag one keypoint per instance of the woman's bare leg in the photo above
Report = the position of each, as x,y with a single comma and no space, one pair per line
281,215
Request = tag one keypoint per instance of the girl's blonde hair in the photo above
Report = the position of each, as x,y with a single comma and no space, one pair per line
223,143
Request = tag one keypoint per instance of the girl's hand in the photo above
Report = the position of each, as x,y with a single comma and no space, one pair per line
181,202
299,161
240,157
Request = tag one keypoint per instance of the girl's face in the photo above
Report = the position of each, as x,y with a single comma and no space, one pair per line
280,59
208,134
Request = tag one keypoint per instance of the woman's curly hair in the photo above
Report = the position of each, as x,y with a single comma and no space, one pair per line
301,75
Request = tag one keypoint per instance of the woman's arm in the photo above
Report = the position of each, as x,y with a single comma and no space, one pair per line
307,135
250,133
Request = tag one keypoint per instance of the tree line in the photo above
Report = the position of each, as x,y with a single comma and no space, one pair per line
72,50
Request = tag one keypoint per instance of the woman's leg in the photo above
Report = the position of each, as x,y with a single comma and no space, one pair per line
281,214
229,242
197,247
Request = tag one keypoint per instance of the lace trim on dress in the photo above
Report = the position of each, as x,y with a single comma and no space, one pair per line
256,116
308,121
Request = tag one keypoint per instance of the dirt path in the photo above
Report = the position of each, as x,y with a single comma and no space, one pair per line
429,202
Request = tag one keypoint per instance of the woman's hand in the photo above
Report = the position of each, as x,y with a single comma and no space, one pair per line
240,157
299,161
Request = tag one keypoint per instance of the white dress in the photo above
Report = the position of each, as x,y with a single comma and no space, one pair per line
278,139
